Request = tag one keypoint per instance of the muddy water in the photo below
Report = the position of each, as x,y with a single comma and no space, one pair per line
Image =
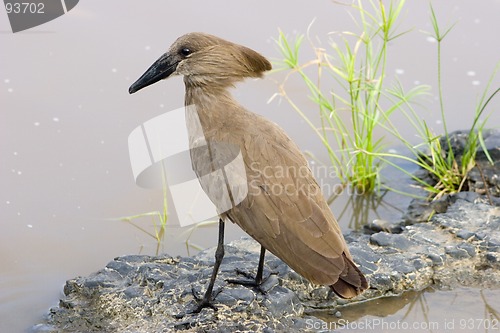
427,311
66,115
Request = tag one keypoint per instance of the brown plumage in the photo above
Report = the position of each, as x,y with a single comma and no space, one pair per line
284,209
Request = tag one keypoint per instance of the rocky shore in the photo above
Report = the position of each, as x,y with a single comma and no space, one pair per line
454,241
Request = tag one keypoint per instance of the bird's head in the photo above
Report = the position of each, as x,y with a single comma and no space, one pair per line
204,59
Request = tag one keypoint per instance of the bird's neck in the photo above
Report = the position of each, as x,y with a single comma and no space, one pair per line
213,104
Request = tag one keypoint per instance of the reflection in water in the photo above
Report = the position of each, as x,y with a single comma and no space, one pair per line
490,311
381,307
353,210
361,209
461,309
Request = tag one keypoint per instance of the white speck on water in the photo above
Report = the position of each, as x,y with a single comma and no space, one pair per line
416,82
114,70
312,162
6,80
431,39
107,172
10,90
477,21
18,213
476,83
14,153
162,106
439,121
60,165
471,73
80,106
400,71
392,151
29,226
454,59
19,172
55,119
102,142
7,202
78,207
147,47
36,123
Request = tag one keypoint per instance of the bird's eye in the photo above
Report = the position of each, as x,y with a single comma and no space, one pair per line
186,51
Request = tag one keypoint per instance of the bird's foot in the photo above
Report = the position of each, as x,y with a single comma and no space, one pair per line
251,281
203,302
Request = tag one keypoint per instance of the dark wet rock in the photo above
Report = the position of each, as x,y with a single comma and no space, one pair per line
390,240
437,259
154,294
458,141
481,185
465,234
484,177
379,225
492,259
421,210
469,248
366,259
467,196
456,252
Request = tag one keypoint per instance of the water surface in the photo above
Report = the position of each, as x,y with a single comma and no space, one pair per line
66,115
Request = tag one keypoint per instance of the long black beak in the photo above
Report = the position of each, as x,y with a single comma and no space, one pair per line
159,70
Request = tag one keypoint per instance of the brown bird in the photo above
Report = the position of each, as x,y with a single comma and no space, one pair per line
280,205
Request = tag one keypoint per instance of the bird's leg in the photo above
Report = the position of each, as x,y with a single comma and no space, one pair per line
219,254
260,268
252,281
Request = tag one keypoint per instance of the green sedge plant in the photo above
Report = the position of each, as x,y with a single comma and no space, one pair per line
159,219
435,154
359,71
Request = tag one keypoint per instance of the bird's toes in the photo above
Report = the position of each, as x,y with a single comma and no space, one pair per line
204,302
250,280
201,305
262,286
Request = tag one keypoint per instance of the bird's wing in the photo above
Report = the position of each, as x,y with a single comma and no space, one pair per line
283,188
285,209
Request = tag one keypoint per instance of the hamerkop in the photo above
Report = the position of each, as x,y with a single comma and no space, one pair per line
283,208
